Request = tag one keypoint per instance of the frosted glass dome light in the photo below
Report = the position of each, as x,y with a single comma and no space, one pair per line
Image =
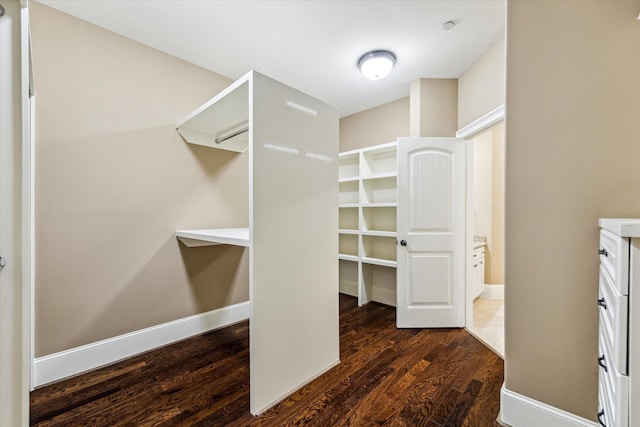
377,64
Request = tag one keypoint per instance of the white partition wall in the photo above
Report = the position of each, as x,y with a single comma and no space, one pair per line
293,217
293,203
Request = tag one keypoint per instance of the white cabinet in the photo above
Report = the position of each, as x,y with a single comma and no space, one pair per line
619,323
367,223
478,269
292,143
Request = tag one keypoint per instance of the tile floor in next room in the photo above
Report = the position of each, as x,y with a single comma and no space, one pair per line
488,323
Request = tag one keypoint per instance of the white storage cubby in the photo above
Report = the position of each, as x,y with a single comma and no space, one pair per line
379,250
367,223
349,167
349,277
379,161
349,192
379,283
379,219
283,130
348,245
348,219
383,190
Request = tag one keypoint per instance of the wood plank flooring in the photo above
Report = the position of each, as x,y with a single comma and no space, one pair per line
387,377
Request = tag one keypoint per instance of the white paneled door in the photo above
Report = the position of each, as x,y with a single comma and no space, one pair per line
431,232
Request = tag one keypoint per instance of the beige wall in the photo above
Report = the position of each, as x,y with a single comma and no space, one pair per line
482,184
495,274
488,199
375,126
573,102
114,180
434,107
481,87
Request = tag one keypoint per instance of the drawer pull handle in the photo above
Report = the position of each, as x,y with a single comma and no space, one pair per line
600,415
601,363
603,252
602,303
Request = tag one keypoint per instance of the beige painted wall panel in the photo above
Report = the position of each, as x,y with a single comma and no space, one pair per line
481,87
375,126
496,251
114,180
434,107
573,102
488,199
482,184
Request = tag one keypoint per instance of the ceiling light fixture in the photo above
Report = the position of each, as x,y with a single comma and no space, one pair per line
377,64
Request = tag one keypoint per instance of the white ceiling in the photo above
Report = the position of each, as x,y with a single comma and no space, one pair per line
309,44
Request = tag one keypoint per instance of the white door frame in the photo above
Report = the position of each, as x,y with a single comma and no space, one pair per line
16,214
468,133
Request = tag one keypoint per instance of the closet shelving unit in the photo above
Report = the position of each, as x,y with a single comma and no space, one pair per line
367,223
292,143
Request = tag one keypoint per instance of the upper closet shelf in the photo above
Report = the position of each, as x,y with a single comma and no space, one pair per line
223,121
220,236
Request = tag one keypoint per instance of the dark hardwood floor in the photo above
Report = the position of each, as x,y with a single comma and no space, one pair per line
387,377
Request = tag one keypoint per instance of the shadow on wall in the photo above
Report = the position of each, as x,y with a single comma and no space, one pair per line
215,161
218,275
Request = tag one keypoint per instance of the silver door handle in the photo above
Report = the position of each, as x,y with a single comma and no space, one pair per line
3,262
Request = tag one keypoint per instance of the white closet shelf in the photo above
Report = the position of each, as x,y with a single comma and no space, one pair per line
378,205
218,236
349,179
379,233
380,176
380,261
348,205
216,122
346,257
347,231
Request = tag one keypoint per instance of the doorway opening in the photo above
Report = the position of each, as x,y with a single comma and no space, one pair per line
487,322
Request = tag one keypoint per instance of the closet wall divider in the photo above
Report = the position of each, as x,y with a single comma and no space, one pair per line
292,143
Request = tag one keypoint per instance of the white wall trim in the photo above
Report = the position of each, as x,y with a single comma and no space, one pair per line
482,124
521,411
70,362
349,288
384,296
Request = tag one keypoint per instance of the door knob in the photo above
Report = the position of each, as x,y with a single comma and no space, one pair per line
3,262
403,243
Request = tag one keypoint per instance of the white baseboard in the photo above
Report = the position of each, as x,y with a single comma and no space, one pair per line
74,361
517,410
384,296
349,288
493,291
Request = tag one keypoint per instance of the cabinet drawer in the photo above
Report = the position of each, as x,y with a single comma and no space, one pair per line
478,252
614,257
613,393
613,321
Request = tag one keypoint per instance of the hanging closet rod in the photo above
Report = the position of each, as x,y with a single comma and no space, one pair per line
231,135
